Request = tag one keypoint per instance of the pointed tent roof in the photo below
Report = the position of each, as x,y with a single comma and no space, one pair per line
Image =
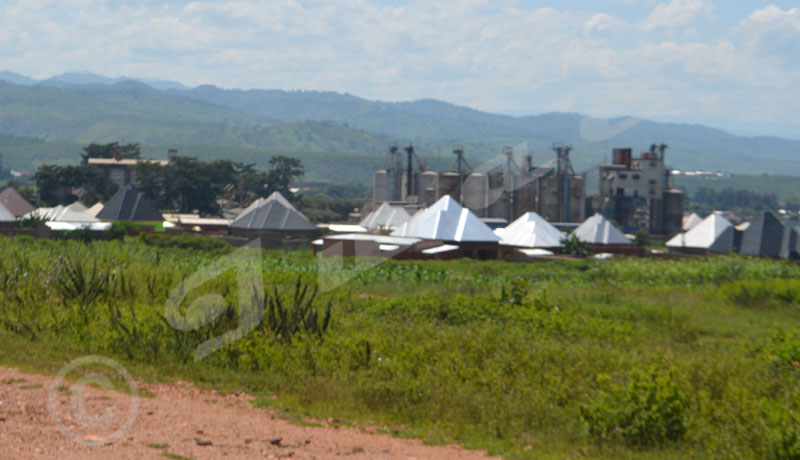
530,231
690,221
63,214
386,216
763,237
78,206
95,208
272,213
599,230
129,204
6,215
715,233
14,202
449,221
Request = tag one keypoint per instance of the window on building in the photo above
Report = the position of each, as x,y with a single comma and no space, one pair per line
652,182
652,164
623,176
652,191
636,176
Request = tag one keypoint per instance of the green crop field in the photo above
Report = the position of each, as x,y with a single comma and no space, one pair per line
614,359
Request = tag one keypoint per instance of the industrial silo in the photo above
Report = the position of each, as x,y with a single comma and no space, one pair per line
673,211
475,193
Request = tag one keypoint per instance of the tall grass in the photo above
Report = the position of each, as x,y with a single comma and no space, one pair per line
629,358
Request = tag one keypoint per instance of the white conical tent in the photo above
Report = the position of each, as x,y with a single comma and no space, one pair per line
691,221
530,231
386,216
599,230
715,233
448,221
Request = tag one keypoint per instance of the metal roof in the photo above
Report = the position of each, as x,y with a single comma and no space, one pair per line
380,239
272,213
763,237
386,216
690,221
715,233
129,204
14,202
6,215
448,221
530,231
599,230
63,214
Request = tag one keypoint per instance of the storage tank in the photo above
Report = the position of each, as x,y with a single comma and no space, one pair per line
428,182
673,210
475,193
497,198
449,184
380,187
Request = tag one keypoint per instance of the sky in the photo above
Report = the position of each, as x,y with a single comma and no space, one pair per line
735,64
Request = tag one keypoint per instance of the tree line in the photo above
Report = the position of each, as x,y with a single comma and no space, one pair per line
185,184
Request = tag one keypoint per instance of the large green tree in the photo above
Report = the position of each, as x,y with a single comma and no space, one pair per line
283,171
66,184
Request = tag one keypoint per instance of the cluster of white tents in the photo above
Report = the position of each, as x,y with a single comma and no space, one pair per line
457,230
764,236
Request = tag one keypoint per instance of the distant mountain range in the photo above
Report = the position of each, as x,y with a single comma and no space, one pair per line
83,107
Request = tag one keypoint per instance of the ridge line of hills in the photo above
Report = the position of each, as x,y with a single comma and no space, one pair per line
82,108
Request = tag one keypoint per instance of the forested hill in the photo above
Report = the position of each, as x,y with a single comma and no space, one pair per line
86,108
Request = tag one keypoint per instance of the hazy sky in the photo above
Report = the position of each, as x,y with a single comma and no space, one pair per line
732,63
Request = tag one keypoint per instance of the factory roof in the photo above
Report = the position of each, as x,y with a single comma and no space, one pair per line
14,202
272,213
763,237
129,204
530,231
690,221
715,233
599,230
447,220
386,216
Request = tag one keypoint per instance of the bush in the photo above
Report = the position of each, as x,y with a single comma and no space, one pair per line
649,412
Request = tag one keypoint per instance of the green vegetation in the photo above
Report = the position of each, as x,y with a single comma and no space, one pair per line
624,359
319,122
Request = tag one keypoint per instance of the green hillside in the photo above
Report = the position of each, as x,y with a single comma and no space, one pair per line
321,122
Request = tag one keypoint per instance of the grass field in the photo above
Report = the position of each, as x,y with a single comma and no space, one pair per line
617,359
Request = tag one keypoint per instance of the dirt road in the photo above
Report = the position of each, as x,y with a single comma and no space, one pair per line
73,420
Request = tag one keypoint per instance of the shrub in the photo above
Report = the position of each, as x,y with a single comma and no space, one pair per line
575,247
649,412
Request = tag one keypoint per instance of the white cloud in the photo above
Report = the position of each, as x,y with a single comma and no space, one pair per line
677,14
602,22
495,56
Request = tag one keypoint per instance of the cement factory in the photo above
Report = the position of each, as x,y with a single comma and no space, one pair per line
635,191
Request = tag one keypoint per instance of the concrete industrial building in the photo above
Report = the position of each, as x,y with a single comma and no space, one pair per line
498,189
640,193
